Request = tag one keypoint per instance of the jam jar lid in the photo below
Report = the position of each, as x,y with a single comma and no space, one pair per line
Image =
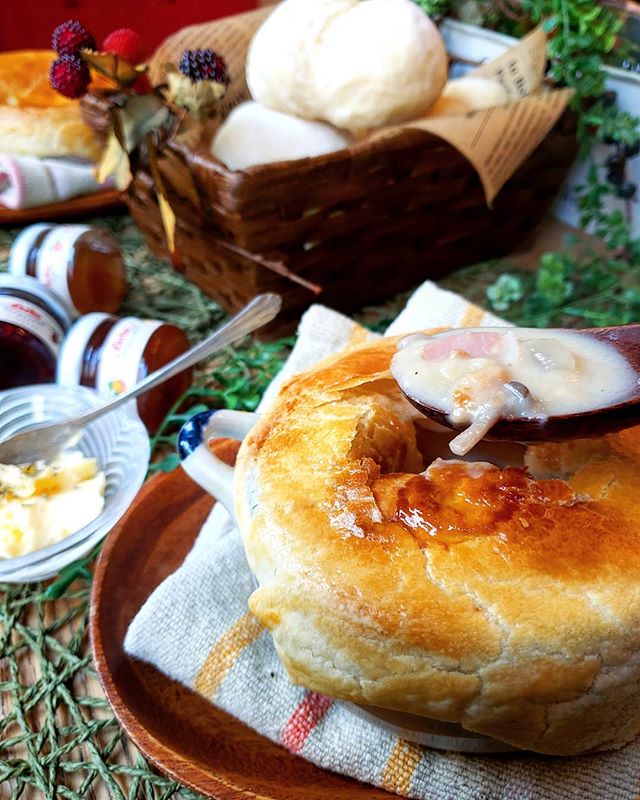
22,245
24,283
70,360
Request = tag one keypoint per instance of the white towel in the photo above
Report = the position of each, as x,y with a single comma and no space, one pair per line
28,182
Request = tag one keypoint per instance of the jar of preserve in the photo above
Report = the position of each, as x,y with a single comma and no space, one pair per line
82,265
33,322
112,355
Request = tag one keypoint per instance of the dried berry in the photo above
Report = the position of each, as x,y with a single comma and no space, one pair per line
616,162
69,75
627,191
127,44
70,37
204,65
615,177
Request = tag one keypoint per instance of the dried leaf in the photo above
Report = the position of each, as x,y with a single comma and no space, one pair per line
166,212
278,267
113,67
199,98
115,163
141,114
168,221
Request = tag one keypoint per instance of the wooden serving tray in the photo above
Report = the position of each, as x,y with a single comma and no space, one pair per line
178,731
84,206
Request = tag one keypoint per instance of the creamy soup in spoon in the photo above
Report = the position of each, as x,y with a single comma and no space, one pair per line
480,376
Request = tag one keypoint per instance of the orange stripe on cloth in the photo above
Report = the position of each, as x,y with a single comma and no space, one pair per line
401,766
304,719
225,653
472,317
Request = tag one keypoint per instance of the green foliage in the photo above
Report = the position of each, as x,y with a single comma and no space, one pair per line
435,8
506,291
609,225
583,37
581,33
611,124
575,287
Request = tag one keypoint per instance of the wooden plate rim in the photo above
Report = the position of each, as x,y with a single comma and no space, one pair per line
151,747
166,753
84,205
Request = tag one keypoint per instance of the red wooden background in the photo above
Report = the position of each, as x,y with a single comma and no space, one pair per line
27,24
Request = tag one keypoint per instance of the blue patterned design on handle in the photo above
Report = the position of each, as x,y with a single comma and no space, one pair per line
192,432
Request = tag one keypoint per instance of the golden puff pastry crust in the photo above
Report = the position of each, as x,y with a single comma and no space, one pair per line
467,593
34,119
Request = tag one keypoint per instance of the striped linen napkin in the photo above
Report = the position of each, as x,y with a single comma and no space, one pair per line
196,629
27,181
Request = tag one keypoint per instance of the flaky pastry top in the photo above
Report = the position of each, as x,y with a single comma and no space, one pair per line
506,599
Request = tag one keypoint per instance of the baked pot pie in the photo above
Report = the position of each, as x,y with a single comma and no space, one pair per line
36,120
505,599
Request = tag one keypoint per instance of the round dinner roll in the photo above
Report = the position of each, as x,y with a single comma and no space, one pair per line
468,94
357,64
281,53
253,134
505,600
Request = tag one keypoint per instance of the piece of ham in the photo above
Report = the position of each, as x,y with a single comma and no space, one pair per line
475,344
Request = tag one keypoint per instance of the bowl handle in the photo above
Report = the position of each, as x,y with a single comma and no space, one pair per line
203,466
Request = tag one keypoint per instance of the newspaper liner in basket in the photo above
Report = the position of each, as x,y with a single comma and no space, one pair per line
495,140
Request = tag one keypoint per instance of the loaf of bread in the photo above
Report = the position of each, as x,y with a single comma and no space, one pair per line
468,94
34,119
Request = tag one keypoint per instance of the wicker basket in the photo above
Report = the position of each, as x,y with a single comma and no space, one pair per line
363,223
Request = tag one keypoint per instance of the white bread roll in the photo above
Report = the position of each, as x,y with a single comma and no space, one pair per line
357,64
468,94
279,60
381,62
253,134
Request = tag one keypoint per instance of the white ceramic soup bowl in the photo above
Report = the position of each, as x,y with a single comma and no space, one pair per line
217,478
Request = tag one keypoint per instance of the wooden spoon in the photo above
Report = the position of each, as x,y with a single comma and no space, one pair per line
597,421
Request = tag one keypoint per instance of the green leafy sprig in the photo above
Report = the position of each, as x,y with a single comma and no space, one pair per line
574,287
577,283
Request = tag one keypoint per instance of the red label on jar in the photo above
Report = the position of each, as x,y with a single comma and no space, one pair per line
122,353
33,319
54,255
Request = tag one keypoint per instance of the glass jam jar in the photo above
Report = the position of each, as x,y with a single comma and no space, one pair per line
83,265
33,322
112,355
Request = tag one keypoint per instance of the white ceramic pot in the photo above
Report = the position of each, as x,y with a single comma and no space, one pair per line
216,477
203,466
